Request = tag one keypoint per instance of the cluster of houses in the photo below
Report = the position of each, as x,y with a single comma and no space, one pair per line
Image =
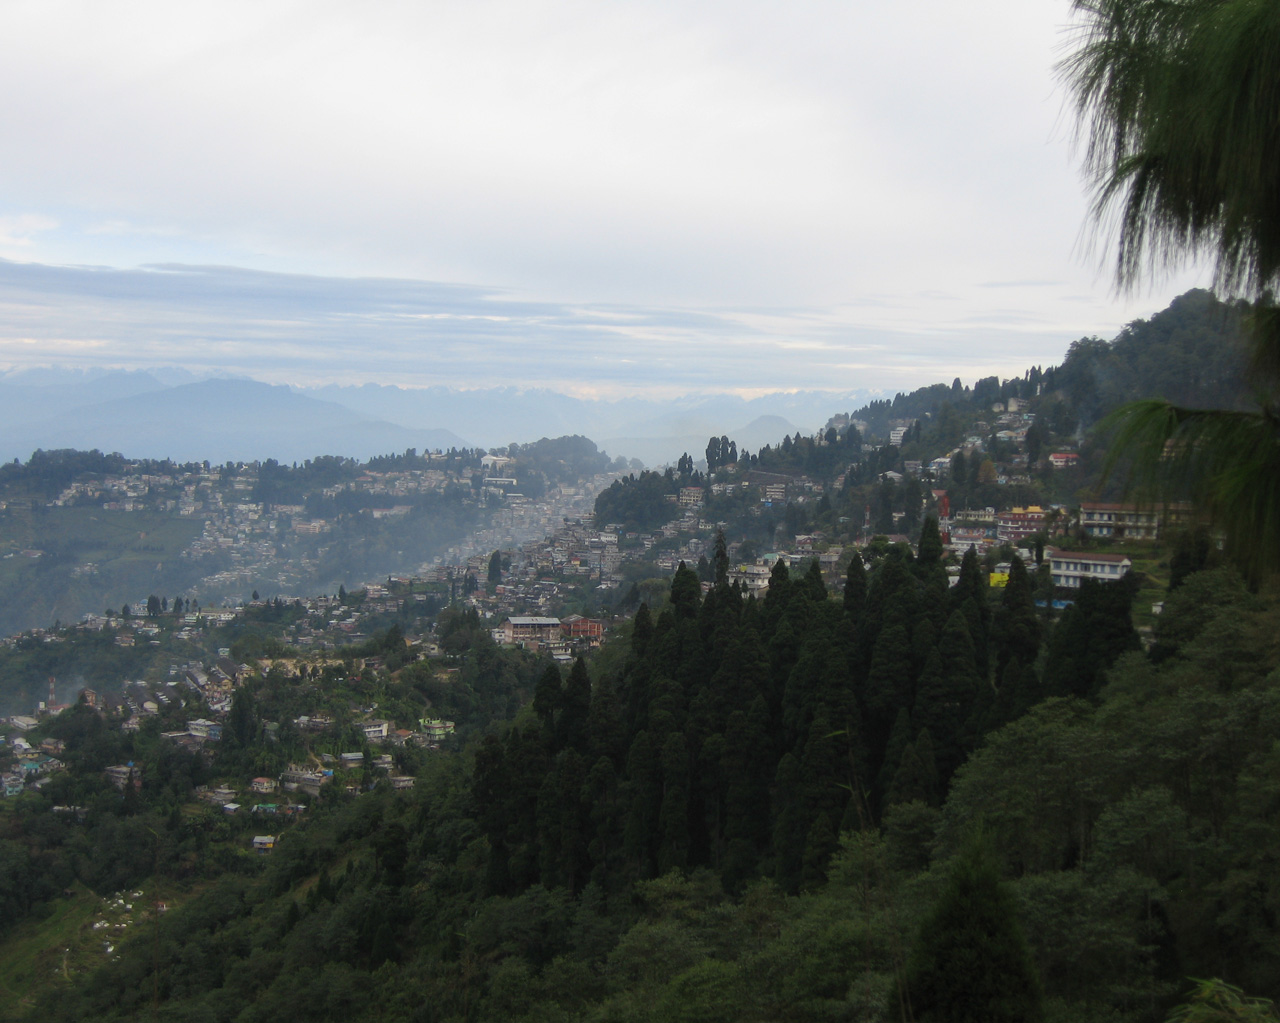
245,541
32,763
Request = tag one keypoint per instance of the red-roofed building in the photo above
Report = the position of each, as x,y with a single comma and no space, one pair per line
576,628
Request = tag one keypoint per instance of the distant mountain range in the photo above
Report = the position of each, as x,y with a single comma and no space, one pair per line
653,431
218,420
166,413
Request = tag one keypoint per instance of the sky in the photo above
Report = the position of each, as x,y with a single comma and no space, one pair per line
606,199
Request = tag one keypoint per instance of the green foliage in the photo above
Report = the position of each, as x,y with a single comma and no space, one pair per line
687,849
1226,463
970,963
639,502
1213,1001
1182,133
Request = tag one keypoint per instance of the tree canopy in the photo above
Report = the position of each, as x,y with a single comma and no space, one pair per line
1179,113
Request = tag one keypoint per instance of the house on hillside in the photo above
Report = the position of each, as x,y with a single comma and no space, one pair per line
530,632
1070,568
1128,520
1017,524
577,629
121,775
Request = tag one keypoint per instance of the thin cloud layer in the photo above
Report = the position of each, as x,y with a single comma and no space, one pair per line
314,330
643,195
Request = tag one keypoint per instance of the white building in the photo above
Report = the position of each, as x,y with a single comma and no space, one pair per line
1068,568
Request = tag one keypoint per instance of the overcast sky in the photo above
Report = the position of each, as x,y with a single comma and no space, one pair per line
605,198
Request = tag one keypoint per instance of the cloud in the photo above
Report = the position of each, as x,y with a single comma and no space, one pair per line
18,231
305,329
652,195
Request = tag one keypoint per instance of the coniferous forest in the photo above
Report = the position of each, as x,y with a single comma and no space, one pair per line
905,801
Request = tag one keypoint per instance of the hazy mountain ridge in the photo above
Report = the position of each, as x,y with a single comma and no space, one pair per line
653,430
215,419
163,414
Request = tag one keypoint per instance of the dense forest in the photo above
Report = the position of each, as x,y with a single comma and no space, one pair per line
1192,353
745,810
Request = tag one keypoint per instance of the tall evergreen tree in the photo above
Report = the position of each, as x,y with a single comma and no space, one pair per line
673,816
1016,628
930,551
605,730
970,963
970,596
641,631
548,695
686,592
746,800
790,825
1088,638
603,798
778,595
813,587
916,778
575,709
721,559
644,791
889,687
949,692
855,590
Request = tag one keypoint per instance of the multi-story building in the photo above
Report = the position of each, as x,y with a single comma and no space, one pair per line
1019,523
531,632
576,628
1128,520
1069,568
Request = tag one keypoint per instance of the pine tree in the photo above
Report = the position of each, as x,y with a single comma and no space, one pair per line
778,595
889,685
641,631
970,963
746,801
721,560
970,596
855,590
930,551
813,587
644,785
818,848
548,695
1016,629
1091,634
789,826
686,592
601,795
575,704
917,776
673,817
899,741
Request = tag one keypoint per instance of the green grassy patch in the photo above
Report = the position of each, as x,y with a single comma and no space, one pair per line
1151,561
49,951
53,950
